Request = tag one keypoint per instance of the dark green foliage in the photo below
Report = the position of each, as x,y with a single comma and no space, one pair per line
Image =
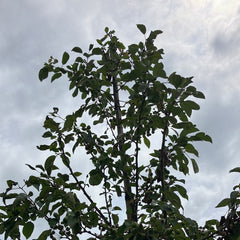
128,97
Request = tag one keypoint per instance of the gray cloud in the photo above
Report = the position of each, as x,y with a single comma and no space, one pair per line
198,40
226,39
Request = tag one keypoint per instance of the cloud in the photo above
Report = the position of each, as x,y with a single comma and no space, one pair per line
200,39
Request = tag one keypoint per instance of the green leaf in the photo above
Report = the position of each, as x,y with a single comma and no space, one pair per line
133,48
43,73
77,49
195,165
11,183
126,146
224,203
97,51
65,160
139,69
28,229
175,80
70,199
75,93
146,141
77,174
65,58
118,190
90,47
64,177
142,28
212,222
69,138
93,218
201,136
198,94
173,198
70,119
96,177
158,70
188,106
9,196
191,149
31,167
116,208
52,221
51,124
43,147
237,169
44,235
47,134
56,76
234,195
49,164
191,104
115,219
154,34
181,190
84,95
40,167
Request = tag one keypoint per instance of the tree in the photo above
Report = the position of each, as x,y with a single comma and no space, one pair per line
127,99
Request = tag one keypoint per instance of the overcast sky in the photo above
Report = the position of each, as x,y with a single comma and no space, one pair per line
201,38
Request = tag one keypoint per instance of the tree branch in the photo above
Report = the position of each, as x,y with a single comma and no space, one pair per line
136,154
162,170
106,200
129,200
80,185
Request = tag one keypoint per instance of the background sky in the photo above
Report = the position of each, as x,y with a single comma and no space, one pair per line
201,38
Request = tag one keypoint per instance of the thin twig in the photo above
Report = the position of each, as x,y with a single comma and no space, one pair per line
106,201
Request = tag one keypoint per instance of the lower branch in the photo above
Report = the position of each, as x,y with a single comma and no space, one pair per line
129,199
162,171
82,188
